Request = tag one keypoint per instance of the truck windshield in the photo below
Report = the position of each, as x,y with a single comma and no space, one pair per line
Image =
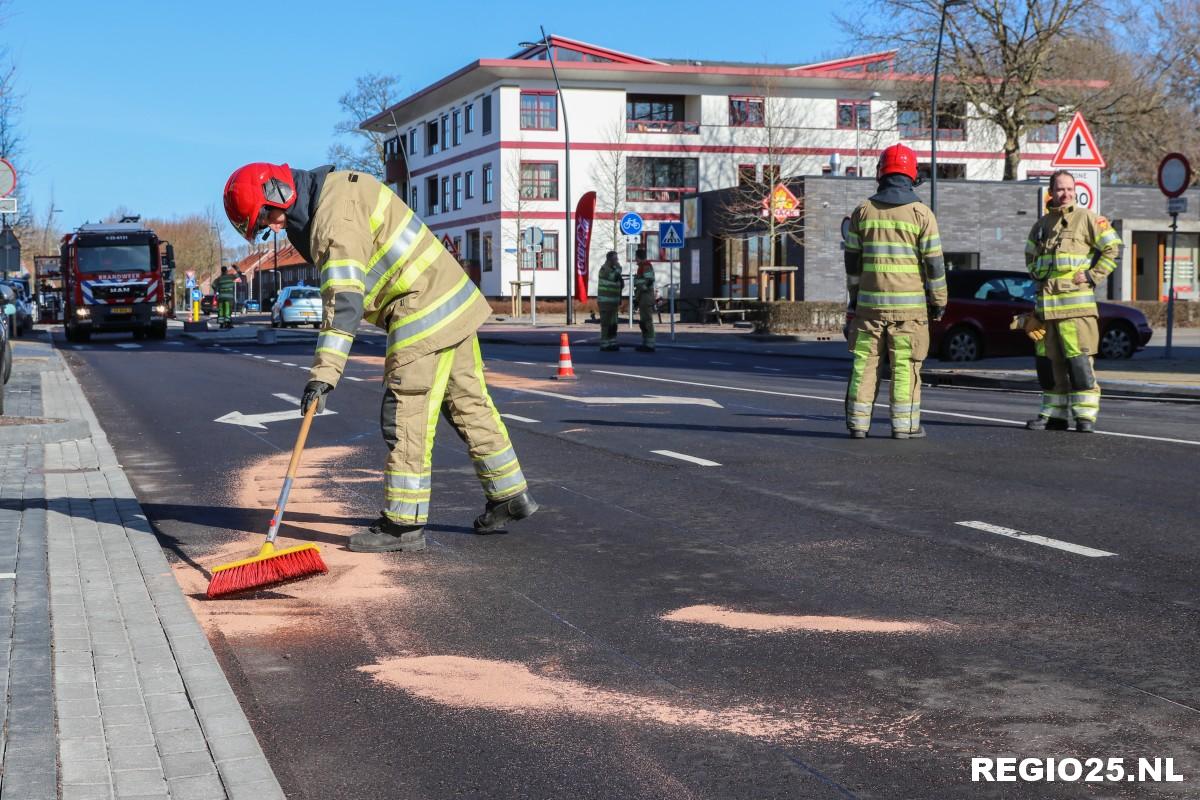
115,258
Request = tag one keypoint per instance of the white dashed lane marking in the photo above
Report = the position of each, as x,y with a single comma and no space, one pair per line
1057,544
518,418
704,462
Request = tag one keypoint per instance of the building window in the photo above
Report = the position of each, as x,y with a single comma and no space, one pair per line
914,122
413,204
445,131
1043,126
487,113
746,112
431,138
446,193
472,252
456,248
539,180
458,191
457,127
950,172
470,184
660,180
853,114
487,183
653,113
431,196
469,117
485,253
412,141
747,174
539,111
548,258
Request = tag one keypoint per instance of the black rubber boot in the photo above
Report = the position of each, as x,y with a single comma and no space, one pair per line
919,433
644,348
858,434
386,536
1085,426
498,512
1040,423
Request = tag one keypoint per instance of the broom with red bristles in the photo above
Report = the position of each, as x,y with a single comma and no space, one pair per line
271,565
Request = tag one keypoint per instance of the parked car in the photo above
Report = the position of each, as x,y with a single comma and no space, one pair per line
208,304
297,305
252,305
983,303
7,307
20,322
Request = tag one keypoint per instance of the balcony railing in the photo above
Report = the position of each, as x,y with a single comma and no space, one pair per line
943,135
662,126
657,194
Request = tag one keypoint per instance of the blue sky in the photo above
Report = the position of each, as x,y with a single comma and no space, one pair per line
149,105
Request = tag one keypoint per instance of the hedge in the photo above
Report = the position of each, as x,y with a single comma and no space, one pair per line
785,317
1187,314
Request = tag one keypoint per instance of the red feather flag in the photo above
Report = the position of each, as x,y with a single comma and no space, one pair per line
583,242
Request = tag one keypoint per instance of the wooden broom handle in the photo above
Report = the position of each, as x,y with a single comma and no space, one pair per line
294,464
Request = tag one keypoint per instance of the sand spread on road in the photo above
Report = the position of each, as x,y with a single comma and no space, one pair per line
778,623
514,688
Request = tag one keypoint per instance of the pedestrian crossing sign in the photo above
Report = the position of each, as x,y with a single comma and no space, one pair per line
670,235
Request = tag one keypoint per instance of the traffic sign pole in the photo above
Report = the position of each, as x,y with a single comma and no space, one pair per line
670,237
1174,177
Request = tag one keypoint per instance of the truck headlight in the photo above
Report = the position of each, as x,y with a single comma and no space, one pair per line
160,310
82,313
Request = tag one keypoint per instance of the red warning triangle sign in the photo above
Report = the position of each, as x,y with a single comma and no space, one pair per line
1078,148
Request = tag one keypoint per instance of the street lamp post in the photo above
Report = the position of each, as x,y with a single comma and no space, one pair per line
569,251
933,128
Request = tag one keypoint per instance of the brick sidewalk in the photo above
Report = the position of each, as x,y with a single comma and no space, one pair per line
115,692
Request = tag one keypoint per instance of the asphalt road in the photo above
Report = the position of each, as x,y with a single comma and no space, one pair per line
805,617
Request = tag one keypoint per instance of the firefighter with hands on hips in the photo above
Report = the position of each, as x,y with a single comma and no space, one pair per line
897,283
608,299
643,289
379,262
225,287
1070,251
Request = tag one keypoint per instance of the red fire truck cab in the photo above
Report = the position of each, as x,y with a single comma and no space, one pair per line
113,281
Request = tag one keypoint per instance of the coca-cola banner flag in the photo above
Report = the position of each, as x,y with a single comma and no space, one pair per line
583,242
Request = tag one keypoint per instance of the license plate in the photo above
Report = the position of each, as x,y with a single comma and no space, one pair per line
121,310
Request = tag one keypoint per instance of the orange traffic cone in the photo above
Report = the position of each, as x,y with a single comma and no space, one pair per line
566,371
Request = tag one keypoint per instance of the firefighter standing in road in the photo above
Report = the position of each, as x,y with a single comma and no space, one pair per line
379,262
608,298
643,287
1070,251
897,282
225,287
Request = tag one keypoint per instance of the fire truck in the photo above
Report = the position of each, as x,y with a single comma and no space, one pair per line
113,280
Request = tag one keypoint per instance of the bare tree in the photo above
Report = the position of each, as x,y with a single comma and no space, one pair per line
516,199
746,207
609,176
364,152
1007,61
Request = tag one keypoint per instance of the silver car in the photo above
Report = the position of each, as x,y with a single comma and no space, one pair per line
297,305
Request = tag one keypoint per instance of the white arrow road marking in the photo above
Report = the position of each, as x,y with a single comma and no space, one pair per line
352,378
704,462
518,418
924,410
1090,552
257,420
288,398
769,369
653,399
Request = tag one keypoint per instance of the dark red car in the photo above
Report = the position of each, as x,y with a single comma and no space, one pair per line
983,303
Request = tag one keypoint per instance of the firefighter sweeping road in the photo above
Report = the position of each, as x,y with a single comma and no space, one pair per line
722,596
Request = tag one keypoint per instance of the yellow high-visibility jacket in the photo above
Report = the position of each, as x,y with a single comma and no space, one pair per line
1063,243
379,262
899,270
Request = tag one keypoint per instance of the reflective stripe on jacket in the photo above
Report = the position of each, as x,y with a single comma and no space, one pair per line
1062,244
644,280
608,288
896,270
225,286
379,262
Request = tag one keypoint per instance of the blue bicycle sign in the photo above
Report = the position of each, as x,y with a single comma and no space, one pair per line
631,224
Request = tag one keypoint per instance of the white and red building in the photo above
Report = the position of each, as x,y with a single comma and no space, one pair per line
483,147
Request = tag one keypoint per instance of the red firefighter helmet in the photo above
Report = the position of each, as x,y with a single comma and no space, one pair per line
253,188
897,159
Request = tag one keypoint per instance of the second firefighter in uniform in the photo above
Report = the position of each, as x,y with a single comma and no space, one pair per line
896,281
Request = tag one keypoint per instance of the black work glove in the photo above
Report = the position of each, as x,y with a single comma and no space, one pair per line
936,313
314,392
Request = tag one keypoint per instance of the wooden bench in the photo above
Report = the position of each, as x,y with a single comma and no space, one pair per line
721,307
